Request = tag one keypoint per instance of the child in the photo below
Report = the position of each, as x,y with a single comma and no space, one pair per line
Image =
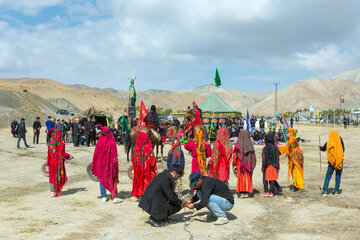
335,153
176,157
270,165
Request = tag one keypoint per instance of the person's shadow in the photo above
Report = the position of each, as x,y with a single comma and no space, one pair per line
73,191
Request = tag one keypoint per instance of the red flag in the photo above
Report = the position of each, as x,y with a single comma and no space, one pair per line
142,115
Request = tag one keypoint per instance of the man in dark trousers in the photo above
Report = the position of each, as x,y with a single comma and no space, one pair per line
252,125
87,131
14,128
228,124
36,128
76,132
160,199
93,132
22,133
49,125
262,123
213,194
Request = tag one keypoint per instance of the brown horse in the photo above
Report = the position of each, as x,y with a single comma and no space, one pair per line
130,140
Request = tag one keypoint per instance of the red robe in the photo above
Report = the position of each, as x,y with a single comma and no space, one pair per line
56,162
144,164
105,162
219,166
191,147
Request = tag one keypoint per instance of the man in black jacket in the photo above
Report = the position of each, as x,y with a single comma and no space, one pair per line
87,132
213,194
21,133
160,199
76,132
36,128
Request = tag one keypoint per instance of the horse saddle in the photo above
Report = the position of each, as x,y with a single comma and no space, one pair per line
156,133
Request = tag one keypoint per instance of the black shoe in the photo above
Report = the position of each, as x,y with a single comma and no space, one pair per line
155,223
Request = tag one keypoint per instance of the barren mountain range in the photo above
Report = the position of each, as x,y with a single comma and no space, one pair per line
45,96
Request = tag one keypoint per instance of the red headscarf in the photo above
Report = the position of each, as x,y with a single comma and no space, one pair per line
144,164
105,161
56,164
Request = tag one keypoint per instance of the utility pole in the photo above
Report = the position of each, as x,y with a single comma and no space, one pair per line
341,101
276,83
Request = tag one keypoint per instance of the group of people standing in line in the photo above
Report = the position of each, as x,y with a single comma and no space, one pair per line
156,191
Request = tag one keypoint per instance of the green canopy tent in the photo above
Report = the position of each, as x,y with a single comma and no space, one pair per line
100,116
216,110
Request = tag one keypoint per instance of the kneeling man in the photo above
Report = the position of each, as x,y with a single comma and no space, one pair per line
159,199
213,194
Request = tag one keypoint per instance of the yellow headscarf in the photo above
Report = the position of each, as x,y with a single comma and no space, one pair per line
334,150
292,133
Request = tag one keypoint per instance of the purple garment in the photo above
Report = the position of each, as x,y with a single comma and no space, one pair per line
58,126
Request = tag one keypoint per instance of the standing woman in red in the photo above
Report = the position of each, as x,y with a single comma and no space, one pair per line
56,163
219,166
244,163
105,165
144,164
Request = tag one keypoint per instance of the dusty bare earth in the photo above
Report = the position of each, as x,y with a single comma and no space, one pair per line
28,212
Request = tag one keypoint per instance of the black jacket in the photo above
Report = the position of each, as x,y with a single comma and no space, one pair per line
36,125
87,126
157,194
212,186
152,118
22,129
262,123
76,128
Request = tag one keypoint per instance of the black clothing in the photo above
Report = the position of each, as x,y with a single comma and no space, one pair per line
36,125
22,129
21,134
252,122
159,199
291,123
212,186
14,128
228,123
262,123
257,136
76,133
176,123
87,126
323,148
152,118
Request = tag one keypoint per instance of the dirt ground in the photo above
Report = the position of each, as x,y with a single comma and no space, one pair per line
28,212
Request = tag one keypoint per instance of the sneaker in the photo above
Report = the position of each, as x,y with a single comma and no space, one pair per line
52,194
155,223
211,217
336,193
265,194
300,191
244,195
324,194
221,221
117,200
271,195
104,199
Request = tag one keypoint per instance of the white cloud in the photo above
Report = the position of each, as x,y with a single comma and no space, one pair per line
328,60
98,42
29,7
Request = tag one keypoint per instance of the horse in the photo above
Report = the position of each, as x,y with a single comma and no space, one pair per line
130,140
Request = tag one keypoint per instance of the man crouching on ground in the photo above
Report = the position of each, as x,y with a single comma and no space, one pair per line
159,199
213,194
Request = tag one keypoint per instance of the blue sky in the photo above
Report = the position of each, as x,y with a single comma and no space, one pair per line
178,44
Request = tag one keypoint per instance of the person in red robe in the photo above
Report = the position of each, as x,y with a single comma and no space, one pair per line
56,163
194,121
199,150
244,163
144,164
105,164
219,166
